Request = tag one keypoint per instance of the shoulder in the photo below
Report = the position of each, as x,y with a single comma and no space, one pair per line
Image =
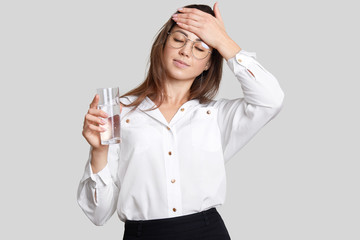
224,105
216,103
125,110
127,99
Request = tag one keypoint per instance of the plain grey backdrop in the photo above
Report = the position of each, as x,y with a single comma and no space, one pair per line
297,179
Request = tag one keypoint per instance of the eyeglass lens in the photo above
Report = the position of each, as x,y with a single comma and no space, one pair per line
200,50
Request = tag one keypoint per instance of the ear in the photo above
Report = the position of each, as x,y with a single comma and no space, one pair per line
207,65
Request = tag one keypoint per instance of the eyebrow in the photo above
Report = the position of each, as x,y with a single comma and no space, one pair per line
198,39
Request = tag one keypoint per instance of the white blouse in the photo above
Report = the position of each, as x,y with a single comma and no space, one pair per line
164,170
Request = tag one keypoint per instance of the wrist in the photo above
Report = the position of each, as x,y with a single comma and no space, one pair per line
100,150
228,48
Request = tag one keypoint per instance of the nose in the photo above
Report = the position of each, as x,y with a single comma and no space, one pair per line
186,49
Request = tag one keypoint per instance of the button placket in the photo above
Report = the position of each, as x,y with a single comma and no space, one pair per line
183,111
172,172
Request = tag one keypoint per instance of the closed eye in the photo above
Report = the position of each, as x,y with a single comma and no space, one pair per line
201,50
178,40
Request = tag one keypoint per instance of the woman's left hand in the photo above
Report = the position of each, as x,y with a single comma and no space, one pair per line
210,29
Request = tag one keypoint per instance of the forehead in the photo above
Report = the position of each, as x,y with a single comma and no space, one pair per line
190,35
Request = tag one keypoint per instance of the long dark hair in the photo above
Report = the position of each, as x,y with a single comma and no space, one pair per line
154,86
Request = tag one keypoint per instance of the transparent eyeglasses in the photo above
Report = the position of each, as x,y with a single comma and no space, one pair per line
199,49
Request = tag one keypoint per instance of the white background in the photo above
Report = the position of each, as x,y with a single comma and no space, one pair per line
297,179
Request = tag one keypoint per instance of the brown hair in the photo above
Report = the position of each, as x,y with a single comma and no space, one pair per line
204,87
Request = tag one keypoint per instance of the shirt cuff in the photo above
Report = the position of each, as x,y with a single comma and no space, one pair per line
259,86
243,58
100,179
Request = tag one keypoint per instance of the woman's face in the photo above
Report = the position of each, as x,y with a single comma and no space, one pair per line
180,64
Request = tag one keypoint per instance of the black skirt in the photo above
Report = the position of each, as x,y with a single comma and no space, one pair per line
197,226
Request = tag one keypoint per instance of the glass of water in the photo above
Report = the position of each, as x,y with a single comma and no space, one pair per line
109,103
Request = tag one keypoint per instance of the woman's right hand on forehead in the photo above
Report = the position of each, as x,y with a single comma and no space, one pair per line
93,124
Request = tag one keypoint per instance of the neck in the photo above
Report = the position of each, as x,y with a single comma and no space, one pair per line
177,92
176,99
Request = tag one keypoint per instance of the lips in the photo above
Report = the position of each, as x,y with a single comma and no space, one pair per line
181,63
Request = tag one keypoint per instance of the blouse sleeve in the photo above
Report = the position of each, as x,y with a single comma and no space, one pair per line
98,193
241,118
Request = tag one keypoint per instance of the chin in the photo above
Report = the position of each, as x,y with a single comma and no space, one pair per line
181,74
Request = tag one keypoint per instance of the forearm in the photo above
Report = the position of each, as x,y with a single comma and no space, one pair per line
228,48
259,86
99,158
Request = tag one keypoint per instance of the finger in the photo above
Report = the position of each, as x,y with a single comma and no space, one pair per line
98,113
95,101
188,16
217,12
94,119
96,128
192,10
188,22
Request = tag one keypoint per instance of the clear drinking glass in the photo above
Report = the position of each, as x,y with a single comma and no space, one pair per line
109,103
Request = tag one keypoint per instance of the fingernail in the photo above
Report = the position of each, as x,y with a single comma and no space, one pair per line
175,15
180,9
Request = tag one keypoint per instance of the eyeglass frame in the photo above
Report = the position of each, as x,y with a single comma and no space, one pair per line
192,47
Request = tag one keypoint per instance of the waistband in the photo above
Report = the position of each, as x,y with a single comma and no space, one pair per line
171,225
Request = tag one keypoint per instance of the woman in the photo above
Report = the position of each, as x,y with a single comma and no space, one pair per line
167,176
